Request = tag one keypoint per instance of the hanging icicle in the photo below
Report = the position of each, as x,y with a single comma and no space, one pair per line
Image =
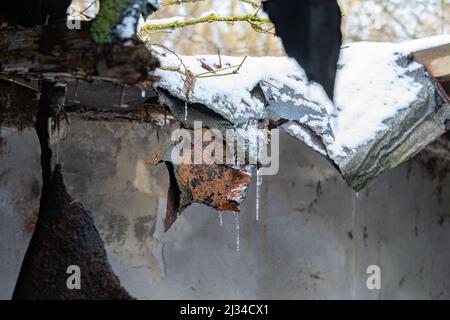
259,179
122,103
185,111
75,94
236,221
221,218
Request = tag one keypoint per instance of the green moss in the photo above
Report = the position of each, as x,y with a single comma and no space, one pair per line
109,16
253,20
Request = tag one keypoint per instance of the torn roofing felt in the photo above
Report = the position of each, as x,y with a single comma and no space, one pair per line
386,109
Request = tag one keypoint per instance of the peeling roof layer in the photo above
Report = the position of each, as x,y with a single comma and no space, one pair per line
386,106
230,94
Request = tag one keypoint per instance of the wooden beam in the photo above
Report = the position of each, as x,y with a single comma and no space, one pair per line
436,61
97,100
62,53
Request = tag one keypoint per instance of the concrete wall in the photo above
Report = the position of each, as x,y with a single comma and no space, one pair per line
315,237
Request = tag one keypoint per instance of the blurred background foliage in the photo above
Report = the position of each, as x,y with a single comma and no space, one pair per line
371,20
363,20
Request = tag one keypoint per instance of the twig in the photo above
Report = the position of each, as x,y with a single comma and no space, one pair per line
200,75
220,58
239,67
253,4
174,69
210,74
176,2
172,52
82,13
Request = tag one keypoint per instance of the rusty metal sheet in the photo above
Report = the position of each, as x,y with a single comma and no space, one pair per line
220,186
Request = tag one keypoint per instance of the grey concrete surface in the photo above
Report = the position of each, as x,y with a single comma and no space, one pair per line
315,238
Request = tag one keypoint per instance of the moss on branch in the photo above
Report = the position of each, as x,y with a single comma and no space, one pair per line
175,2
108,18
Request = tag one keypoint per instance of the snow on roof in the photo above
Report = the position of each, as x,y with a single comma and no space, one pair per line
381,99
372,86
230,94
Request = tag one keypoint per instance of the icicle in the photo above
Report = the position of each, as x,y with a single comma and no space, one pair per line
143,93
260,145
259,178
236,221
185,111
357,194
221,218
75,94
49,129
122,97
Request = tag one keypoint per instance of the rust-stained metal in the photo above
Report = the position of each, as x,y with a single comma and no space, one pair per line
220,186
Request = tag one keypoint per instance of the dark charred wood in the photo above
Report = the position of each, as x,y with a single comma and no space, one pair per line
50,105
65,234
311,33
95,101
28,13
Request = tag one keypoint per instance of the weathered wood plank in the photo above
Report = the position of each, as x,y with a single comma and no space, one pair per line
96,100
436,60
56,50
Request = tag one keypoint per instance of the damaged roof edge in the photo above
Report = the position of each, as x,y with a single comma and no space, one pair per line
407,133
414,109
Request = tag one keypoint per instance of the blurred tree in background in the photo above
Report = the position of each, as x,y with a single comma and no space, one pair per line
395,20
231,39
369,20
372,20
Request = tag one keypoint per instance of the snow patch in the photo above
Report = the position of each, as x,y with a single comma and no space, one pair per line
229,93
373,84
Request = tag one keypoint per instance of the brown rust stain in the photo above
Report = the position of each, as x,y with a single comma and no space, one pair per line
156,158
30,222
